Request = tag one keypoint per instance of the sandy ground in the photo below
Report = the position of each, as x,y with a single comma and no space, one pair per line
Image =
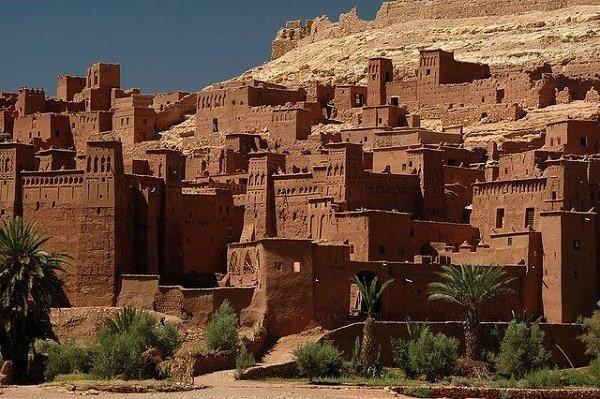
241,390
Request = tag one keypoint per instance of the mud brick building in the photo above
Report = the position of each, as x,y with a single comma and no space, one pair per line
277,216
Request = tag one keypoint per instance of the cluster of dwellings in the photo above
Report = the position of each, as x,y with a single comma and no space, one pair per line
277,219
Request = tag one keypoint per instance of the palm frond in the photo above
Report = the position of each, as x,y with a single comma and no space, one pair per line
469,286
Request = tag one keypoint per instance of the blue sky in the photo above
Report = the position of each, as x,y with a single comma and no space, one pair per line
161,45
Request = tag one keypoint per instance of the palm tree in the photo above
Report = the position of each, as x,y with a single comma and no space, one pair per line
370,297
29,285
470,286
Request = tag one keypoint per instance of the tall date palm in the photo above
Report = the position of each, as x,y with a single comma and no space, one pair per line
29,285
470,287
371,294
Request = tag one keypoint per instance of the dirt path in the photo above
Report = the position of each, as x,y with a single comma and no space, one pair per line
282,350
242,390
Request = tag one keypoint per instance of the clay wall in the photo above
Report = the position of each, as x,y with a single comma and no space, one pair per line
84,125
138,291
349,96
68,86
502,205
162,100
570,136
44,130
95,99
134,125
570,265
53,201
293,214
290,124
383,116
56,159
144,196
242,108
30,101
394,237
210,221
102,75
6,121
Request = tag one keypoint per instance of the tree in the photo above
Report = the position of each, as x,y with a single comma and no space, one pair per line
371,295
29,285
470,287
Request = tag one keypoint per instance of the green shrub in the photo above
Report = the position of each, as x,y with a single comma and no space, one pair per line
595,371
580,378
221,332
355,356
400,357
243,360
521,351
417,392
65,358
432,356
542,378
131,344
591,337
318,360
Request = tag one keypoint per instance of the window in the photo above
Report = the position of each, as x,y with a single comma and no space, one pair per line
499,218
529,215
215,125
583,141
428,72
576,245
296,267
395,101
499,95
553,195
509,243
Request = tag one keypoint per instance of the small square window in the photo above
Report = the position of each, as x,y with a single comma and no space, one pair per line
583,141
576,245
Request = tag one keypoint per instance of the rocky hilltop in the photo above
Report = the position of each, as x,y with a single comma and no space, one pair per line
500,33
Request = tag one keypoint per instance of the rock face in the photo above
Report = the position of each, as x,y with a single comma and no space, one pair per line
521,33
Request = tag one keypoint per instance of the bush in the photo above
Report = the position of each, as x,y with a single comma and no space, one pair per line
131,344
221,332
417,392
580,378
542,378
591,337
243,360
400,357
318,360
432,356
521,351
65,358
